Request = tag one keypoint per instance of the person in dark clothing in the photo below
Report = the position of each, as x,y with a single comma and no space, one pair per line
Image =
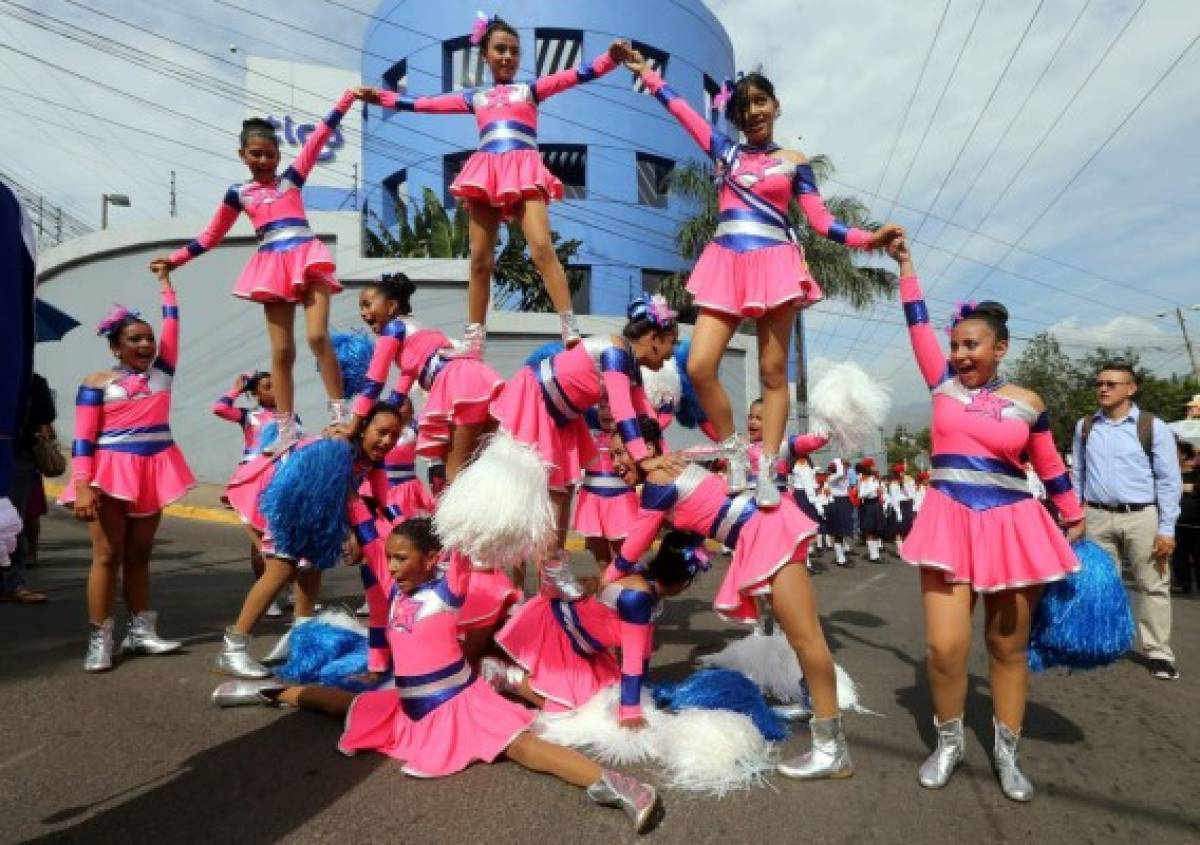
1185,561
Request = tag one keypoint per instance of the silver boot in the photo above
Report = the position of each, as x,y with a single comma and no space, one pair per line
501,675
286,435
339,411
638,800
471,346
738,464
766,494
829,757
100,647
558,581
569,326
1013,782
142,638
936,770
240,693
235,658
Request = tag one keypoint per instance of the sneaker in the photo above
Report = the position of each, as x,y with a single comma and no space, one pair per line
1164,670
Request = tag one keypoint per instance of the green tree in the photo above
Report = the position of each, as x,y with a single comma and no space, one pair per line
431,231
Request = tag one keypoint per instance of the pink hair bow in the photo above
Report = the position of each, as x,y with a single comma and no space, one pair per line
697,560
479,27
722,96
114,317
962,310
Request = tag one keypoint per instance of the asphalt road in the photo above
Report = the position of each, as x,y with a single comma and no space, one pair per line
139,755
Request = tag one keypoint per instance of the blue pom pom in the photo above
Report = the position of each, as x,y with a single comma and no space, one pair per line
546,350
305,503
353,351
689,413
722,689
320,653
1083,621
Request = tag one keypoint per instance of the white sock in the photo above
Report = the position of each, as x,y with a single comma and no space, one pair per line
899,543
873,549
839,552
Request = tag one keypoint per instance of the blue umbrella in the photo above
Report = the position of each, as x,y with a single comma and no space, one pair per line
49,323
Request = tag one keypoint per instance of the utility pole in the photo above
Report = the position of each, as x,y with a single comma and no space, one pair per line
1187,341
41,217
58,224
801,374
174,208
354,191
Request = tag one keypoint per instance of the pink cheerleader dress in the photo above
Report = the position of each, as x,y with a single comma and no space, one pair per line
248,480
763,541
543,405
754,263
123,446
289,256
507,169
978,523
567,646
604,504
441,716
458,391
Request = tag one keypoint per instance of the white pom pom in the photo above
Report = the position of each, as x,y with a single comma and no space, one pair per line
849,405
498,508
663,386
596,730
711,751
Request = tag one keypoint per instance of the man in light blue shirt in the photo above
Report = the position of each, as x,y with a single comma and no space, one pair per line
1132,501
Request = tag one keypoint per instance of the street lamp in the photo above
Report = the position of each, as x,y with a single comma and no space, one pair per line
119,200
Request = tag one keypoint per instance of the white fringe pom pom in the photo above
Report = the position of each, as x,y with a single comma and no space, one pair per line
849,405
663,386
772,665
712,751
498,508
596,730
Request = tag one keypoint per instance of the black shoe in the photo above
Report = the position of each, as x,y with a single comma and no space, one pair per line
849,564
1164,670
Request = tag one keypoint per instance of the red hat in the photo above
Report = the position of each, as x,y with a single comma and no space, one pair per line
898,469
868,462
922,477
821,477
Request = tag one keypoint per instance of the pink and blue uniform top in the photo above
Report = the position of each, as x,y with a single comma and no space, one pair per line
416,353
250,420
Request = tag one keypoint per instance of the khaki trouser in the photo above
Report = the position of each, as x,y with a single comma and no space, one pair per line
1130,537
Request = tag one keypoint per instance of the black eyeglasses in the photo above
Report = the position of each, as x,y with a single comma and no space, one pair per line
1109,384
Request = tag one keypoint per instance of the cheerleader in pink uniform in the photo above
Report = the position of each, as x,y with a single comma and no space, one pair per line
604,504
766,544
441,716
506,178
125,469
753,268
291,266
407,495
458,390
564,650
978,529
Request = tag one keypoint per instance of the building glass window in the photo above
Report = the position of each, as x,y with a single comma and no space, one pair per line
652,280
395,197
581,296
653,175
569,163
452,165
462,65
557,49
711,90
395,78
656,60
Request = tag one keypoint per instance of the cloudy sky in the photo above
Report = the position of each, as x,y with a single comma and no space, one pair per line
1040,153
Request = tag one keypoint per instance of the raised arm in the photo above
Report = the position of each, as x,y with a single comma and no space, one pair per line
930,359
387,350
716,145
804,188
458,102
616,369
634,610
224,407
556,83
1044,457
168,341
802,445
214,233
315,142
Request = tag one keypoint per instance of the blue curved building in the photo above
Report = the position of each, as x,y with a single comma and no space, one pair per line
611,144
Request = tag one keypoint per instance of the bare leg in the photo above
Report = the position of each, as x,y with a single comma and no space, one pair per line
276,575
483,227
527,692
601,549
329,700
566,764
316,326
1008,616
308,589
107,531
280,319
464,440
774,338
256,558
477,643
135,577
709,341
534,217
560,500
795,608
948,642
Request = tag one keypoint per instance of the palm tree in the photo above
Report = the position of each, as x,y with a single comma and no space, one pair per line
430,231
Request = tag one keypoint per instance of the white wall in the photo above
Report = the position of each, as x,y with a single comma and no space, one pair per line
222,336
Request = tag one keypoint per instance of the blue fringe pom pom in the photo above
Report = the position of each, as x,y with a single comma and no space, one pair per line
1083,621
353,351
546,350
305,503
320,653
722,689
689,413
